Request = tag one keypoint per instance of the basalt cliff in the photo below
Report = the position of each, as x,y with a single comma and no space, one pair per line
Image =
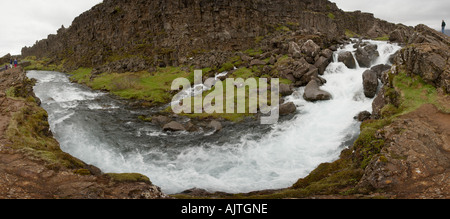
135,35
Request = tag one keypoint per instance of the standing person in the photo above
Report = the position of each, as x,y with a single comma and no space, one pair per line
15,63
10,63
443,26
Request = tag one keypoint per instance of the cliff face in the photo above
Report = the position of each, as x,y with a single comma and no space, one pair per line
166,33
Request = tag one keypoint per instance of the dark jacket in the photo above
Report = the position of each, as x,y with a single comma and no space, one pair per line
443,23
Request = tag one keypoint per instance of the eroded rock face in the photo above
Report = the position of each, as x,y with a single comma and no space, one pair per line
415,160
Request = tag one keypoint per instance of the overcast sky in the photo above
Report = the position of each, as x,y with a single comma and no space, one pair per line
25,21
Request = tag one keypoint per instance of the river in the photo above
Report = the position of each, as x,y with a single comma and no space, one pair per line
105,131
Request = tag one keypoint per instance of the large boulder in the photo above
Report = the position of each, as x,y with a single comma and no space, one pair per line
310,48
348,59
314,93
367,55
160,120
294,49
215,125
379,69
370,82
300,68
287,108
322,64
362,57
285,90
173,127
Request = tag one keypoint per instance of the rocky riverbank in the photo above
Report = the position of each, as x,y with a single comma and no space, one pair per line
32,166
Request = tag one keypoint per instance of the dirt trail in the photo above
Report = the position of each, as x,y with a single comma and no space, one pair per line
23,175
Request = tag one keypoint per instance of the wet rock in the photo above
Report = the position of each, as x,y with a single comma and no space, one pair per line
321,64
379,69
363,116
285,90
348,59
365,56
215,125
160,120
314,93
190,127
327,53
174,127
287,108
362,57
370,82
196,192
378,103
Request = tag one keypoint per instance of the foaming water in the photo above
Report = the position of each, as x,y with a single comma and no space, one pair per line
105,132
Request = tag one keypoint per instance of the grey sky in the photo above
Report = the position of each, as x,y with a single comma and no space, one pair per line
25,21
408,12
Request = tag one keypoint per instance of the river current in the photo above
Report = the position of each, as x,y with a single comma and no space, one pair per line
105,131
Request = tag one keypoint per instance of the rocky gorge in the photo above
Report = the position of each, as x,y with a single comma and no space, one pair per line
402,151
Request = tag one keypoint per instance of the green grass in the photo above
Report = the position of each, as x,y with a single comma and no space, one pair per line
29,131
81,75
41,64
153,87
350,34
415,92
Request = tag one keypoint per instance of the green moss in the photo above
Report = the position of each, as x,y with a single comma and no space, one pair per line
243,73
129,177
226,67
82,172
382,38
282,28
253,52
29,131
331,16
350,34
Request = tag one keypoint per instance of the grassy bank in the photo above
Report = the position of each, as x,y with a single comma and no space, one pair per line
154,88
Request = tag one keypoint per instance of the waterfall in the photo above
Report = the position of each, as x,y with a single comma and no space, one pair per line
101,131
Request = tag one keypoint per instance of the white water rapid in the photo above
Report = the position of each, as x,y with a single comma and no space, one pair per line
105,132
